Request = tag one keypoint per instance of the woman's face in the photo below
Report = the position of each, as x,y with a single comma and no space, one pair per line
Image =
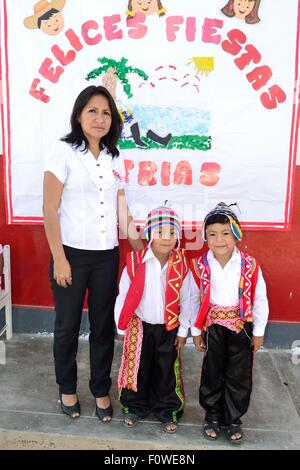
242,8
95,119
147,7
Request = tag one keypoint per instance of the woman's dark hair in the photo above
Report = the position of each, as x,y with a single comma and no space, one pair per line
46,16
76,137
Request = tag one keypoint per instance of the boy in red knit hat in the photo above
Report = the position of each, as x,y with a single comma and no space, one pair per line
152,309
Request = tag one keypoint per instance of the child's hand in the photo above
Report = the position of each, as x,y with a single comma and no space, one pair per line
199,343
180,343
120,337
257,342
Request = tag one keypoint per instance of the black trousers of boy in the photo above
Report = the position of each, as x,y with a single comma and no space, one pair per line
94,271
226,380
158,391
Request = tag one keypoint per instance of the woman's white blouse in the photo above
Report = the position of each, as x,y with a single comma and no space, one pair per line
88,210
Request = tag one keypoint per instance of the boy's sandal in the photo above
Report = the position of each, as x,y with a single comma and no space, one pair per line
170,427
235,429
131,420
211,426
72,411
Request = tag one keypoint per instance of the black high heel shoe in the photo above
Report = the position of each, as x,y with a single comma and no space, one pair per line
70,410
104,413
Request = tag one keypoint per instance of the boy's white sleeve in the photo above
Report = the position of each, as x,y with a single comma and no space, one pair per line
123,289
260,311
194,305
184,317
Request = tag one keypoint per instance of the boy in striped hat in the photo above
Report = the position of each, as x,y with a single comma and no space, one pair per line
229,302
152,310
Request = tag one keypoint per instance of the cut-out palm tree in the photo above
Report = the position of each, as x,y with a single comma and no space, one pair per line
121,70
115,71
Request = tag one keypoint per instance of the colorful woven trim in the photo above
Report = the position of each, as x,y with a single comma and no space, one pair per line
177,270
136,260
248,267
130,362
179,390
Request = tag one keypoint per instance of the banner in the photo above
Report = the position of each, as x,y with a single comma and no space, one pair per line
208,91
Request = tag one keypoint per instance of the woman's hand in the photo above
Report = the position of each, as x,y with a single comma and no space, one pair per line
62,272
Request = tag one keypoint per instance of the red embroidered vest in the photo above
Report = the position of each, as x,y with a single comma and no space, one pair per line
247,286
176,272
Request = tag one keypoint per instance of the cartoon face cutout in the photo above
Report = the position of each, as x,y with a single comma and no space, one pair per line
243,8
147,7
53,25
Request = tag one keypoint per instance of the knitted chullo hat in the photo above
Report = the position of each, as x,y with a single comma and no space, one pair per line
159,216
223,209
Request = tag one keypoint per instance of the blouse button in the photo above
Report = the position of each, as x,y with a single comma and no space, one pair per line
98,164
176,285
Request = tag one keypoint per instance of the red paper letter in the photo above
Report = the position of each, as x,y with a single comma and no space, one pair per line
50,73
259,76
63,58
38,93
146,172
166,173
172,23
210,171
209,30
183,173
236,37
85,33
274,95
136,22
110,27
190,30
129,165
252,55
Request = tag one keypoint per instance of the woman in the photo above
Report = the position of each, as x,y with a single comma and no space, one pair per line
83,193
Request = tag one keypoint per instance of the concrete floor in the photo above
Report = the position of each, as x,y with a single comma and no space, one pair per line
30,416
